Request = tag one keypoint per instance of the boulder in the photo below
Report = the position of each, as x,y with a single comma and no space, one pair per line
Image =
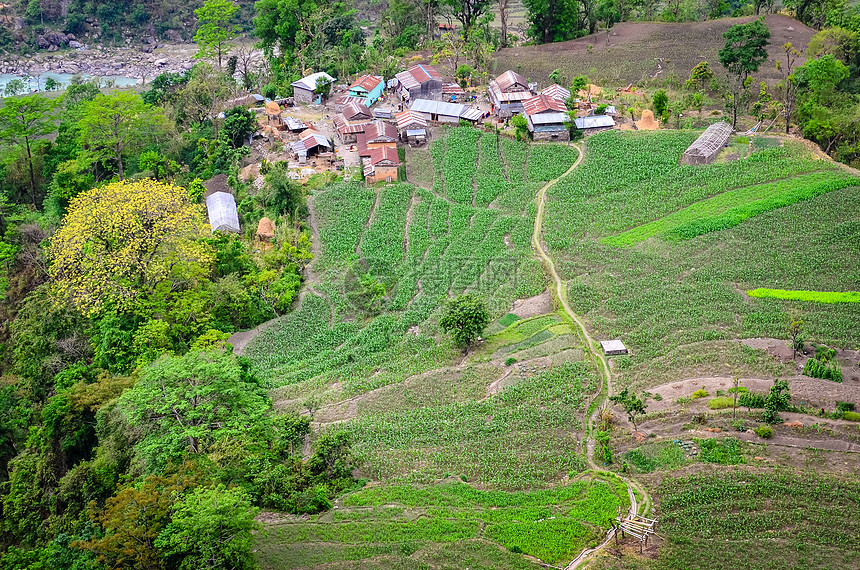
71,37
55,38
43,42
173,35
75,44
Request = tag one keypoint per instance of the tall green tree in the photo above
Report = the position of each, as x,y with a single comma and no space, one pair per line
111,125
465,318
467,12
553,20
743,54
24,119
632,404
211,529
215,31
185,404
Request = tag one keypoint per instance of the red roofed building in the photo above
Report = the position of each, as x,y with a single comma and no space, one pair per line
419,82
355,112
367,87
376,134
547,118
381,164
507,93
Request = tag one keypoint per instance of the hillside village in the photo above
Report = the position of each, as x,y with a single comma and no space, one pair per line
429,285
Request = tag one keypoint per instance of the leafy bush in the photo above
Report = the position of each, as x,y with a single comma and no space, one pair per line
700,393
845,406
510,361
823,369
764,431
721,403
751,400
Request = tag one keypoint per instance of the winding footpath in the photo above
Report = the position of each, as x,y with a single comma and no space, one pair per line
596,356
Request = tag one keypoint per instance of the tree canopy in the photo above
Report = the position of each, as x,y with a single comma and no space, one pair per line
118,242
214,29
744,52
24,119
465,318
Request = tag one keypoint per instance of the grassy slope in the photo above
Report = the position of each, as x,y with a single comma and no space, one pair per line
635,48
661,296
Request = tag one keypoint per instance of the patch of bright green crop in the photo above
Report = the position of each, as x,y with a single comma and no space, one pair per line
730,208
812,296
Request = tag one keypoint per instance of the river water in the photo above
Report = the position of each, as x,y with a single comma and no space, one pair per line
37,83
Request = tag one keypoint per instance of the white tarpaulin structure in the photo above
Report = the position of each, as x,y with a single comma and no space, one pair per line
223,215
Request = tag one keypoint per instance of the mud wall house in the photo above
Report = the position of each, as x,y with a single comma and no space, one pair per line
507,94
369,88
546,118
304,89
419,82
223,215
381,165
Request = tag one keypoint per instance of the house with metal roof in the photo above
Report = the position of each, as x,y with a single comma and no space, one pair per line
304,90
311,142
348,131
419,82
507,93
356,113
441,112
223,215
410,120
381,164
367,87
595,122
546,118
556,91
375,135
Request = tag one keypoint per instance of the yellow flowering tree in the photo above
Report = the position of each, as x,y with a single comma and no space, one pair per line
119,242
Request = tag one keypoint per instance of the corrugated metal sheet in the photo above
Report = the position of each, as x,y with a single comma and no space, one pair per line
471,114
310,82
356,111
548,118
366,83
295,124
595,122
383,113
556,91
511,79
542,104
416,133
223,215
408,118
452,89
438,107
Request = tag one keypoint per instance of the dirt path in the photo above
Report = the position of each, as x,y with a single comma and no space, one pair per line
594,352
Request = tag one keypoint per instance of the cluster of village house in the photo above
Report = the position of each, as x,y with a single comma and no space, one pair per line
419,98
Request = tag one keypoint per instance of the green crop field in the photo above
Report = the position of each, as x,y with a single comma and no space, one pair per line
712,518
412,522
677,303
811,296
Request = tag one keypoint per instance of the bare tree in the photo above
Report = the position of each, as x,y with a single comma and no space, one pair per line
789,82
503,16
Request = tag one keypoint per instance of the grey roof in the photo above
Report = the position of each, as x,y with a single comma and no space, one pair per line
472,114
295,124
310,82
416,132
595,122
223,215
548,118
612,346
438,107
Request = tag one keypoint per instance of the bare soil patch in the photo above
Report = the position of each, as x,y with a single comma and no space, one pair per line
533,306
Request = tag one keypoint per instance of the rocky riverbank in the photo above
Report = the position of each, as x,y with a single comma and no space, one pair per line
101,61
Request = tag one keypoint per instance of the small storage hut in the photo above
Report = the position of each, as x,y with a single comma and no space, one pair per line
410,120
706,148
613,347
223,215
594,122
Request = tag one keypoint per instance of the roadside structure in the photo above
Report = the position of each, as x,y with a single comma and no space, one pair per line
367,87
223,215
420,81
304,90
709,144
381,164
507,93
546,118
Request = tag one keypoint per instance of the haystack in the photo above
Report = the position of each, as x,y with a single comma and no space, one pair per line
266,229
647,123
